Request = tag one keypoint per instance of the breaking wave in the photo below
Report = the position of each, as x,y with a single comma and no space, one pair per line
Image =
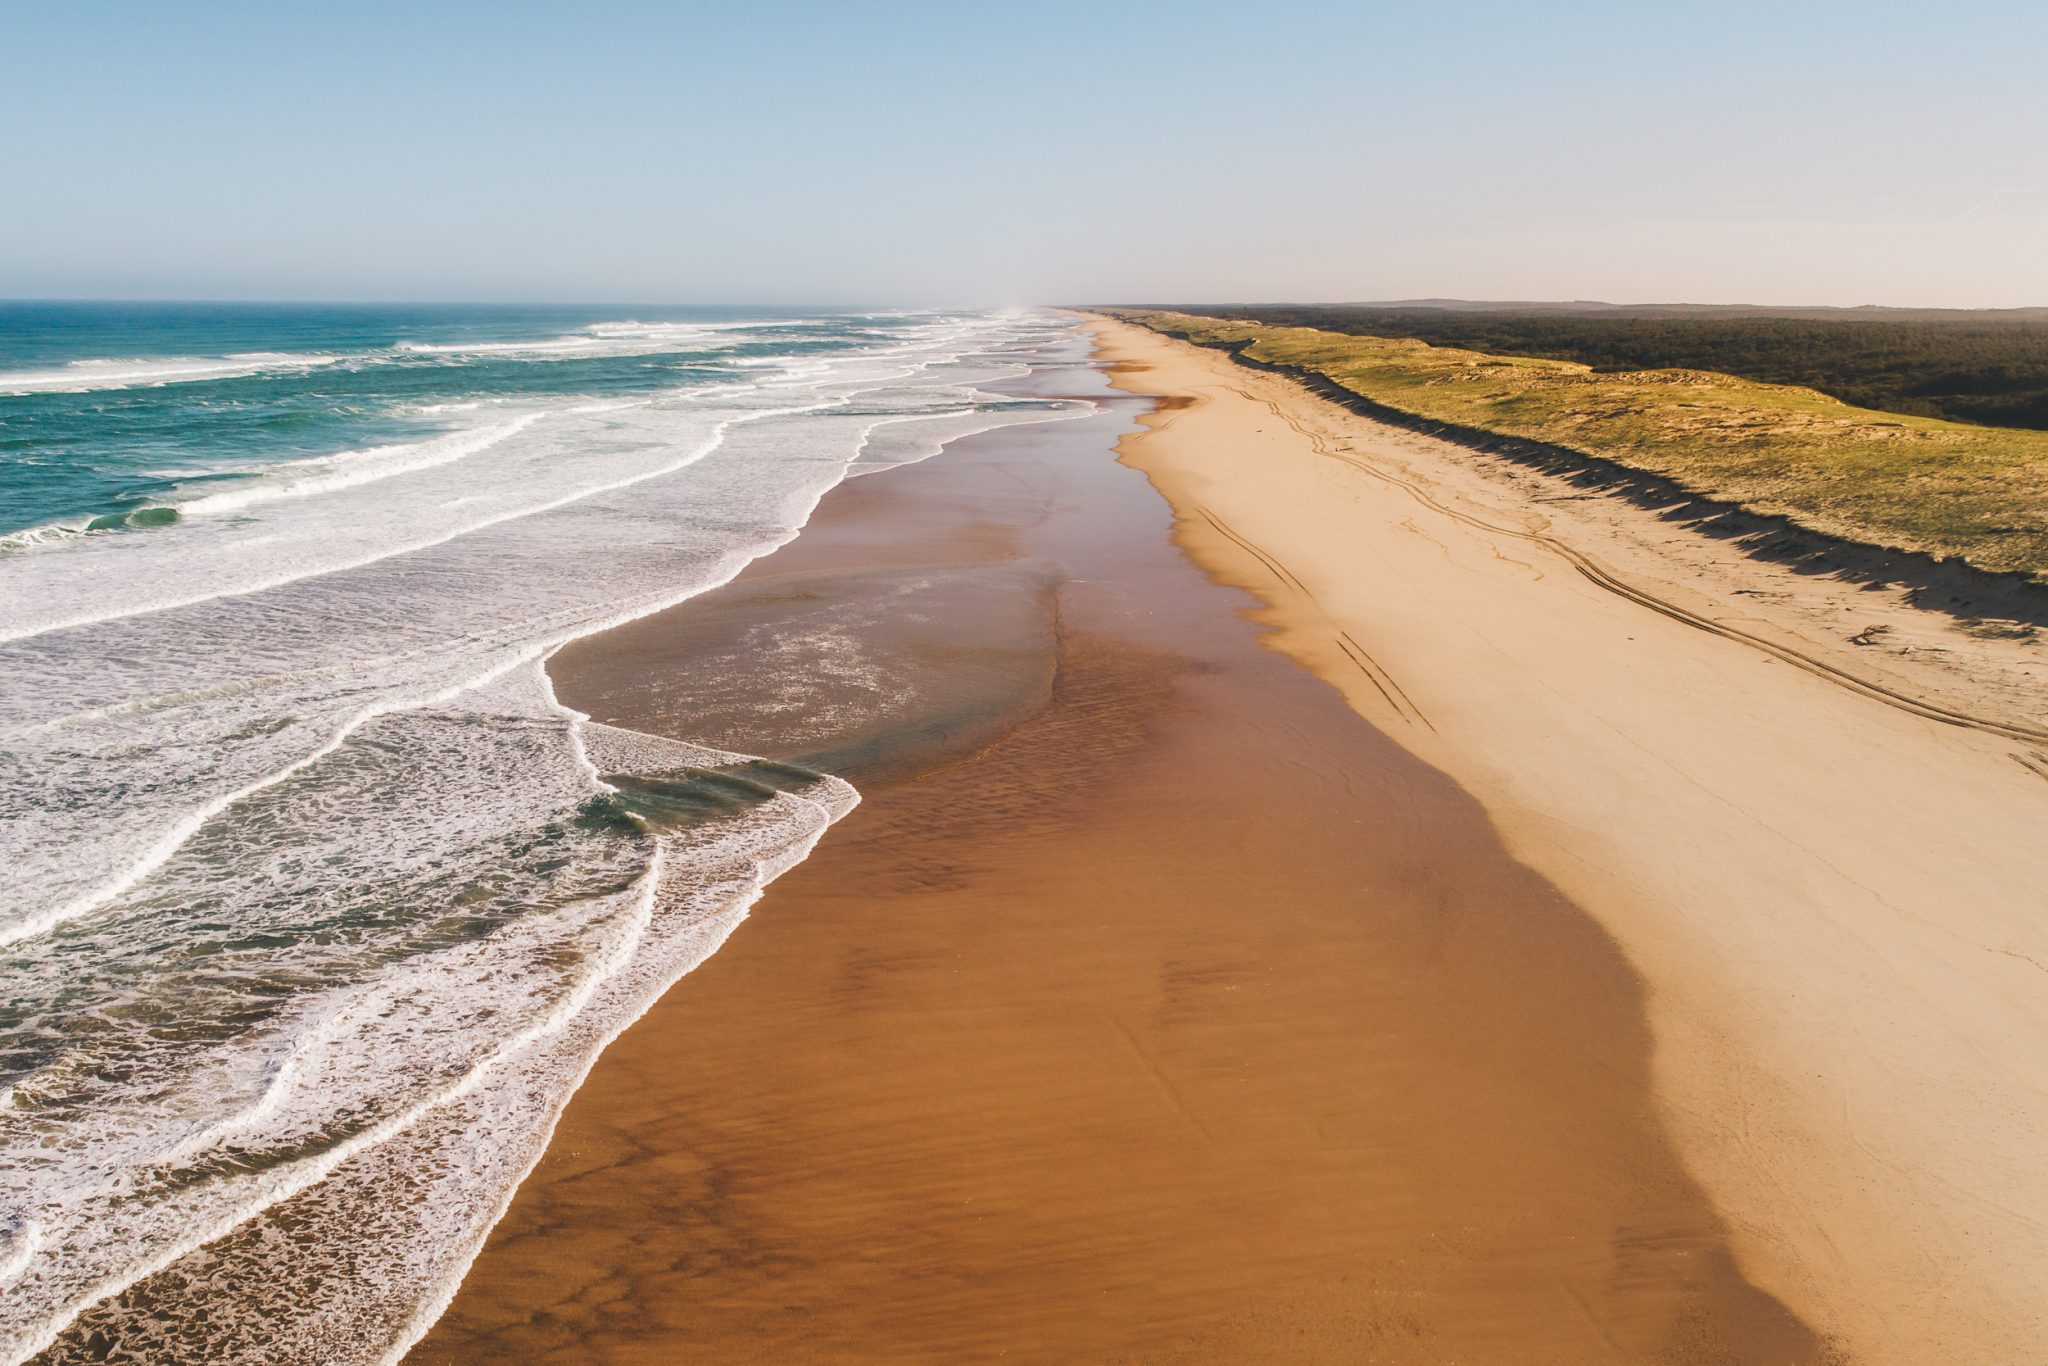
320,903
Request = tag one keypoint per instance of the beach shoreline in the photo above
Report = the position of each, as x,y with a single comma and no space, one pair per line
1832,899
322,903
1151,1006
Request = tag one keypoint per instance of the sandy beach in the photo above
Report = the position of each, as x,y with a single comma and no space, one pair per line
1834,900
727,684
1160,1002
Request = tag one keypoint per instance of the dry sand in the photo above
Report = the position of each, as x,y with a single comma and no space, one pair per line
1152,1006
1839,908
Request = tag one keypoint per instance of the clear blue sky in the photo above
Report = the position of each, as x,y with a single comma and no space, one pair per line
775,151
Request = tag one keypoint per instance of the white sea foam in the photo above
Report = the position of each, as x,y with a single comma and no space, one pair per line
49,533
621,338
907,440
332,473
617,338
320,904
146,371
582,451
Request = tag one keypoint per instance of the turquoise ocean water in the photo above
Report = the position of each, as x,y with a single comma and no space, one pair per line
318,904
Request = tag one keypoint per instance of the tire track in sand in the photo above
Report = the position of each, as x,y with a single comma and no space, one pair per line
1613,583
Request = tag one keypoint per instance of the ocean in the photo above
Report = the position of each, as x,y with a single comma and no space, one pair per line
318,905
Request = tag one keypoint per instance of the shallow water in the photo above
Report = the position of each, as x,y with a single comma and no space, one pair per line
320,904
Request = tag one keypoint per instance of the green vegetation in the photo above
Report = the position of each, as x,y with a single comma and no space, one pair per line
1946,489
1989,367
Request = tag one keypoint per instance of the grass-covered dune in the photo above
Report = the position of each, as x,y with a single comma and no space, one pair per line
1944,490
1988,366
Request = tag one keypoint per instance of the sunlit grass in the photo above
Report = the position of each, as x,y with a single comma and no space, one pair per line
1914,483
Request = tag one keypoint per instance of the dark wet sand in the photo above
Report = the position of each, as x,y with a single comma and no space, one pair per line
1152,1007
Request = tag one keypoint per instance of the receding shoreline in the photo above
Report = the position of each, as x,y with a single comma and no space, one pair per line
1151,1007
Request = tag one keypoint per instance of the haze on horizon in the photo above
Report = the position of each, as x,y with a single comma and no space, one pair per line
923,153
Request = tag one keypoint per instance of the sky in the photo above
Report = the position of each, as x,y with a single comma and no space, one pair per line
774,151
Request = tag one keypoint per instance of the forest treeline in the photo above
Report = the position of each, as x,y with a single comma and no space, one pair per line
1989,368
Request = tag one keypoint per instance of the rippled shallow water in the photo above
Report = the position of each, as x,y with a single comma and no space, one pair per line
319,904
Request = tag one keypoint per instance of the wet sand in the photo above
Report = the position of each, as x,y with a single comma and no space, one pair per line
1151,1007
